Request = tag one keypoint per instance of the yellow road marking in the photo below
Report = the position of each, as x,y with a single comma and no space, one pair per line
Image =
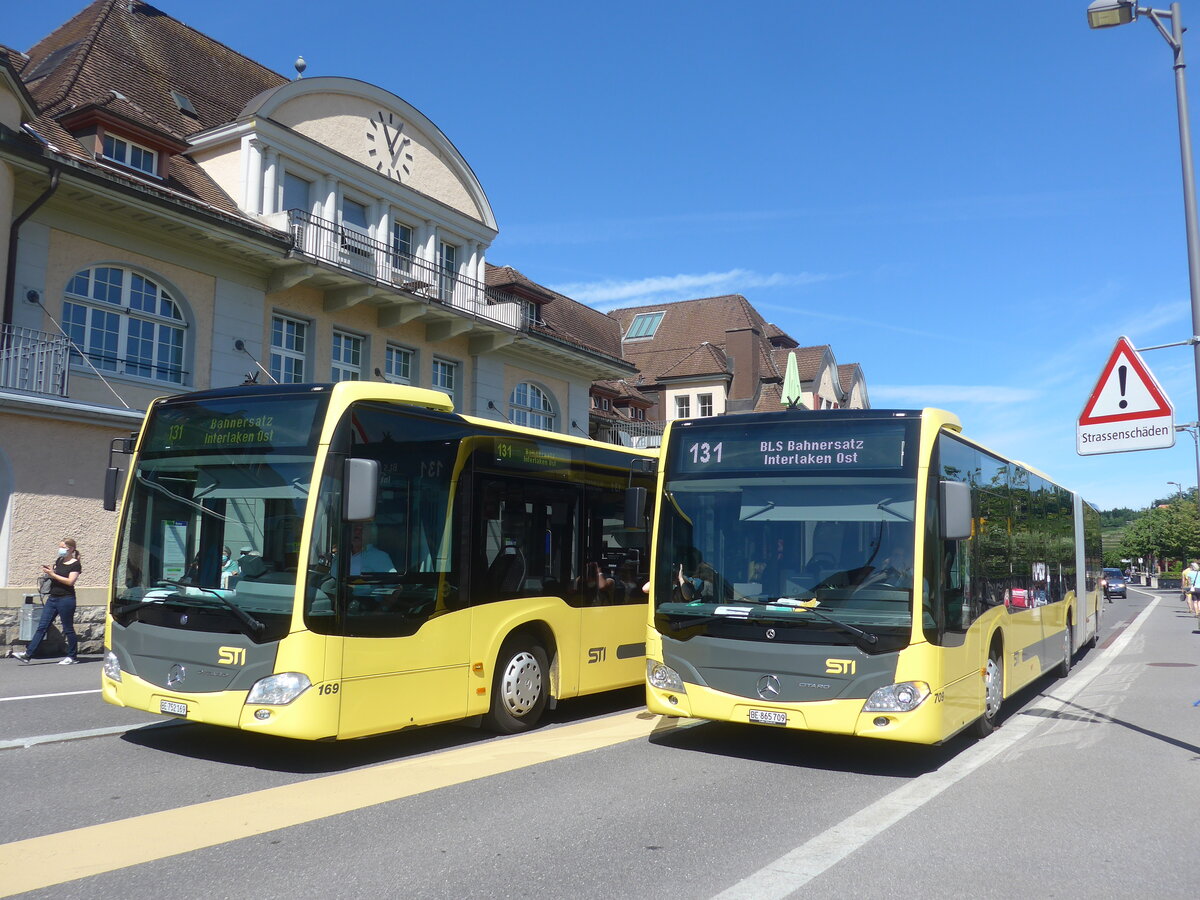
42,862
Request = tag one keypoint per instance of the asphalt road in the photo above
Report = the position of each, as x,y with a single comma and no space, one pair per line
1088,789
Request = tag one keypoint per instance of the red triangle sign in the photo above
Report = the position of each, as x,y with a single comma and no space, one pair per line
1126,391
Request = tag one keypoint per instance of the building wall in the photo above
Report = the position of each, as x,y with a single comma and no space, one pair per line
693,392
58,475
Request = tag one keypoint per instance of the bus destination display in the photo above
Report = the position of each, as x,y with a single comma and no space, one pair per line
233,426
787,451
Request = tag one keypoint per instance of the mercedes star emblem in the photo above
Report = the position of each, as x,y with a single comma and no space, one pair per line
768,687
176,675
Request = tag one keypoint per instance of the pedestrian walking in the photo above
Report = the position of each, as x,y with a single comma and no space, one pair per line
60,603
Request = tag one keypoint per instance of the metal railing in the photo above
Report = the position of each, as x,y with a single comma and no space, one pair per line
355,251
638,433
33,361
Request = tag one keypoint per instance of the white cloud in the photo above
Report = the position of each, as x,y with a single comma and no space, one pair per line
947,394
666,288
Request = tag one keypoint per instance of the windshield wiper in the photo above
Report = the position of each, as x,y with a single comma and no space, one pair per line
154,486
256,627
798,604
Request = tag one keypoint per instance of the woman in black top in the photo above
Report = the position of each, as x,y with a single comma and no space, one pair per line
61,603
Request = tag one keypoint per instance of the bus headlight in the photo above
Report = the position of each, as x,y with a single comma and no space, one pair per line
112,667
664,677
278,690
902,697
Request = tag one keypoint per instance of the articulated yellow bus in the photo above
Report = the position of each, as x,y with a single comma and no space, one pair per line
335,561
860,572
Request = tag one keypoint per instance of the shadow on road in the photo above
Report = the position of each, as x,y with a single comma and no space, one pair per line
1086,714
275,754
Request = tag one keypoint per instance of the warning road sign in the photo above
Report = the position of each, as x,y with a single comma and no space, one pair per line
1127,409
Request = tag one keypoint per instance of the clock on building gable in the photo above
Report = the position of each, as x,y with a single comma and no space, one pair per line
388,146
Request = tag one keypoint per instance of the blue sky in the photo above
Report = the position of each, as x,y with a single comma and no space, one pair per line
972,209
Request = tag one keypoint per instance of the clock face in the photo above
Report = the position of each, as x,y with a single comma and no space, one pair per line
388,146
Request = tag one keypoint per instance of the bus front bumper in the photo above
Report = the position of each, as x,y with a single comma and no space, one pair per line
311,716
922,725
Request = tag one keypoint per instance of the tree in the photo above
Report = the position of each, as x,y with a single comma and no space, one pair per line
1170,530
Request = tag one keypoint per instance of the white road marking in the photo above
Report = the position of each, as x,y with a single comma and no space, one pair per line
43,696
27,742
798,867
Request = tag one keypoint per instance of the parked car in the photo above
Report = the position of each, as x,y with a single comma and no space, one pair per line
1113,583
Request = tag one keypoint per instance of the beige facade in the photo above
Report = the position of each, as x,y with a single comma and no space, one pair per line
170,273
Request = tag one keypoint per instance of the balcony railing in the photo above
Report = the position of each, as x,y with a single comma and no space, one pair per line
33,361
355,251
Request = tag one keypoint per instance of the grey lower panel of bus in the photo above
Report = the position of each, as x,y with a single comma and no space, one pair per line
192,662
804,672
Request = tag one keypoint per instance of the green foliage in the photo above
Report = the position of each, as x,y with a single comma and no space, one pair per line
1170,530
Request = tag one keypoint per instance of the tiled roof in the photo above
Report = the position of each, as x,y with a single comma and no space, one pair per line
685,325
126,62
809,359
623,388
846,374
145,55
703,360
564,318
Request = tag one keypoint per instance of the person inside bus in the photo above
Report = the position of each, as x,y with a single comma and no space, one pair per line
364,555
895,570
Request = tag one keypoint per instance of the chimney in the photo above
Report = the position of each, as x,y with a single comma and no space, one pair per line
742,349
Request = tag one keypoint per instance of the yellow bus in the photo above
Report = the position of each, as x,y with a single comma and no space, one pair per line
860,572
336,561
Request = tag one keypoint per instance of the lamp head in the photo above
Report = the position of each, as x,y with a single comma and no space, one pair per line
1107,13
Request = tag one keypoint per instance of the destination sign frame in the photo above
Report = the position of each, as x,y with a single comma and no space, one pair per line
794,447
241,424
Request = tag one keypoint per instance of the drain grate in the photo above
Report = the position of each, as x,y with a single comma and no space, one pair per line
1174,665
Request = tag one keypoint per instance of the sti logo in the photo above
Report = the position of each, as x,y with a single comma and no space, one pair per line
839,667
231,656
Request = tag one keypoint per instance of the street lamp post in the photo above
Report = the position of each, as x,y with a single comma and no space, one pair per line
1178,489
1193,428
1105,14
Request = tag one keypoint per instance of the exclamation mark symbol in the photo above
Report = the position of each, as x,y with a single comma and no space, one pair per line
1121,372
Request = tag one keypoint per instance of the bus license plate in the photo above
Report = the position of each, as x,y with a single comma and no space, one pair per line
768,717
172,707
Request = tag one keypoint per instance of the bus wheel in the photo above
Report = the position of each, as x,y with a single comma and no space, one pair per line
520,687
1064,667
993,695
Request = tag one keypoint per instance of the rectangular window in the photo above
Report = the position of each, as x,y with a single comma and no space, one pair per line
447,262
397,365
402,245
296,193
643,326
704,404
683,407
347,357
130,154
354,214
289,346
445,376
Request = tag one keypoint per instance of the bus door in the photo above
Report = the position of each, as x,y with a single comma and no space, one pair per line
406,627
612,602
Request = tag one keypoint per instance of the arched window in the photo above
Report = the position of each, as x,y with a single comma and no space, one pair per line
125,323
529,405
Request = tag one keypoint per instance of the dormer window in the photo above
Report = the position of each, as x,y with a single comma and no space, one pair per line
643,326
130,154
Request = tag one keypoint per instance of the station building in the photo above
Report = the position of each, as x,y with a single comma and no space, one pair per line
177,217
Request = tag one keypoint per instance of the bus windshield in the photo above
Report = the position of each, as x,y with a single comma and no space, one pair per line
757,550
211,529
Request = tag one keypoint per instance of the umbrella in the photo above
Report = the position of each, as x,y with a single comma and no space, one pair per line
792,394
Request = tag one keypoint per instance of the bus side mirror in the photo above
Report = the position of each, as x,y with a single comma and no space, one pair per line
635,508
955,501
361,489
112,480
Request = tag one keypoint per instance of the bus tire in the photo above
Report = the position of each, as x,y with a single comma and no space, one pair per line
520,686
1064,667
993,694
